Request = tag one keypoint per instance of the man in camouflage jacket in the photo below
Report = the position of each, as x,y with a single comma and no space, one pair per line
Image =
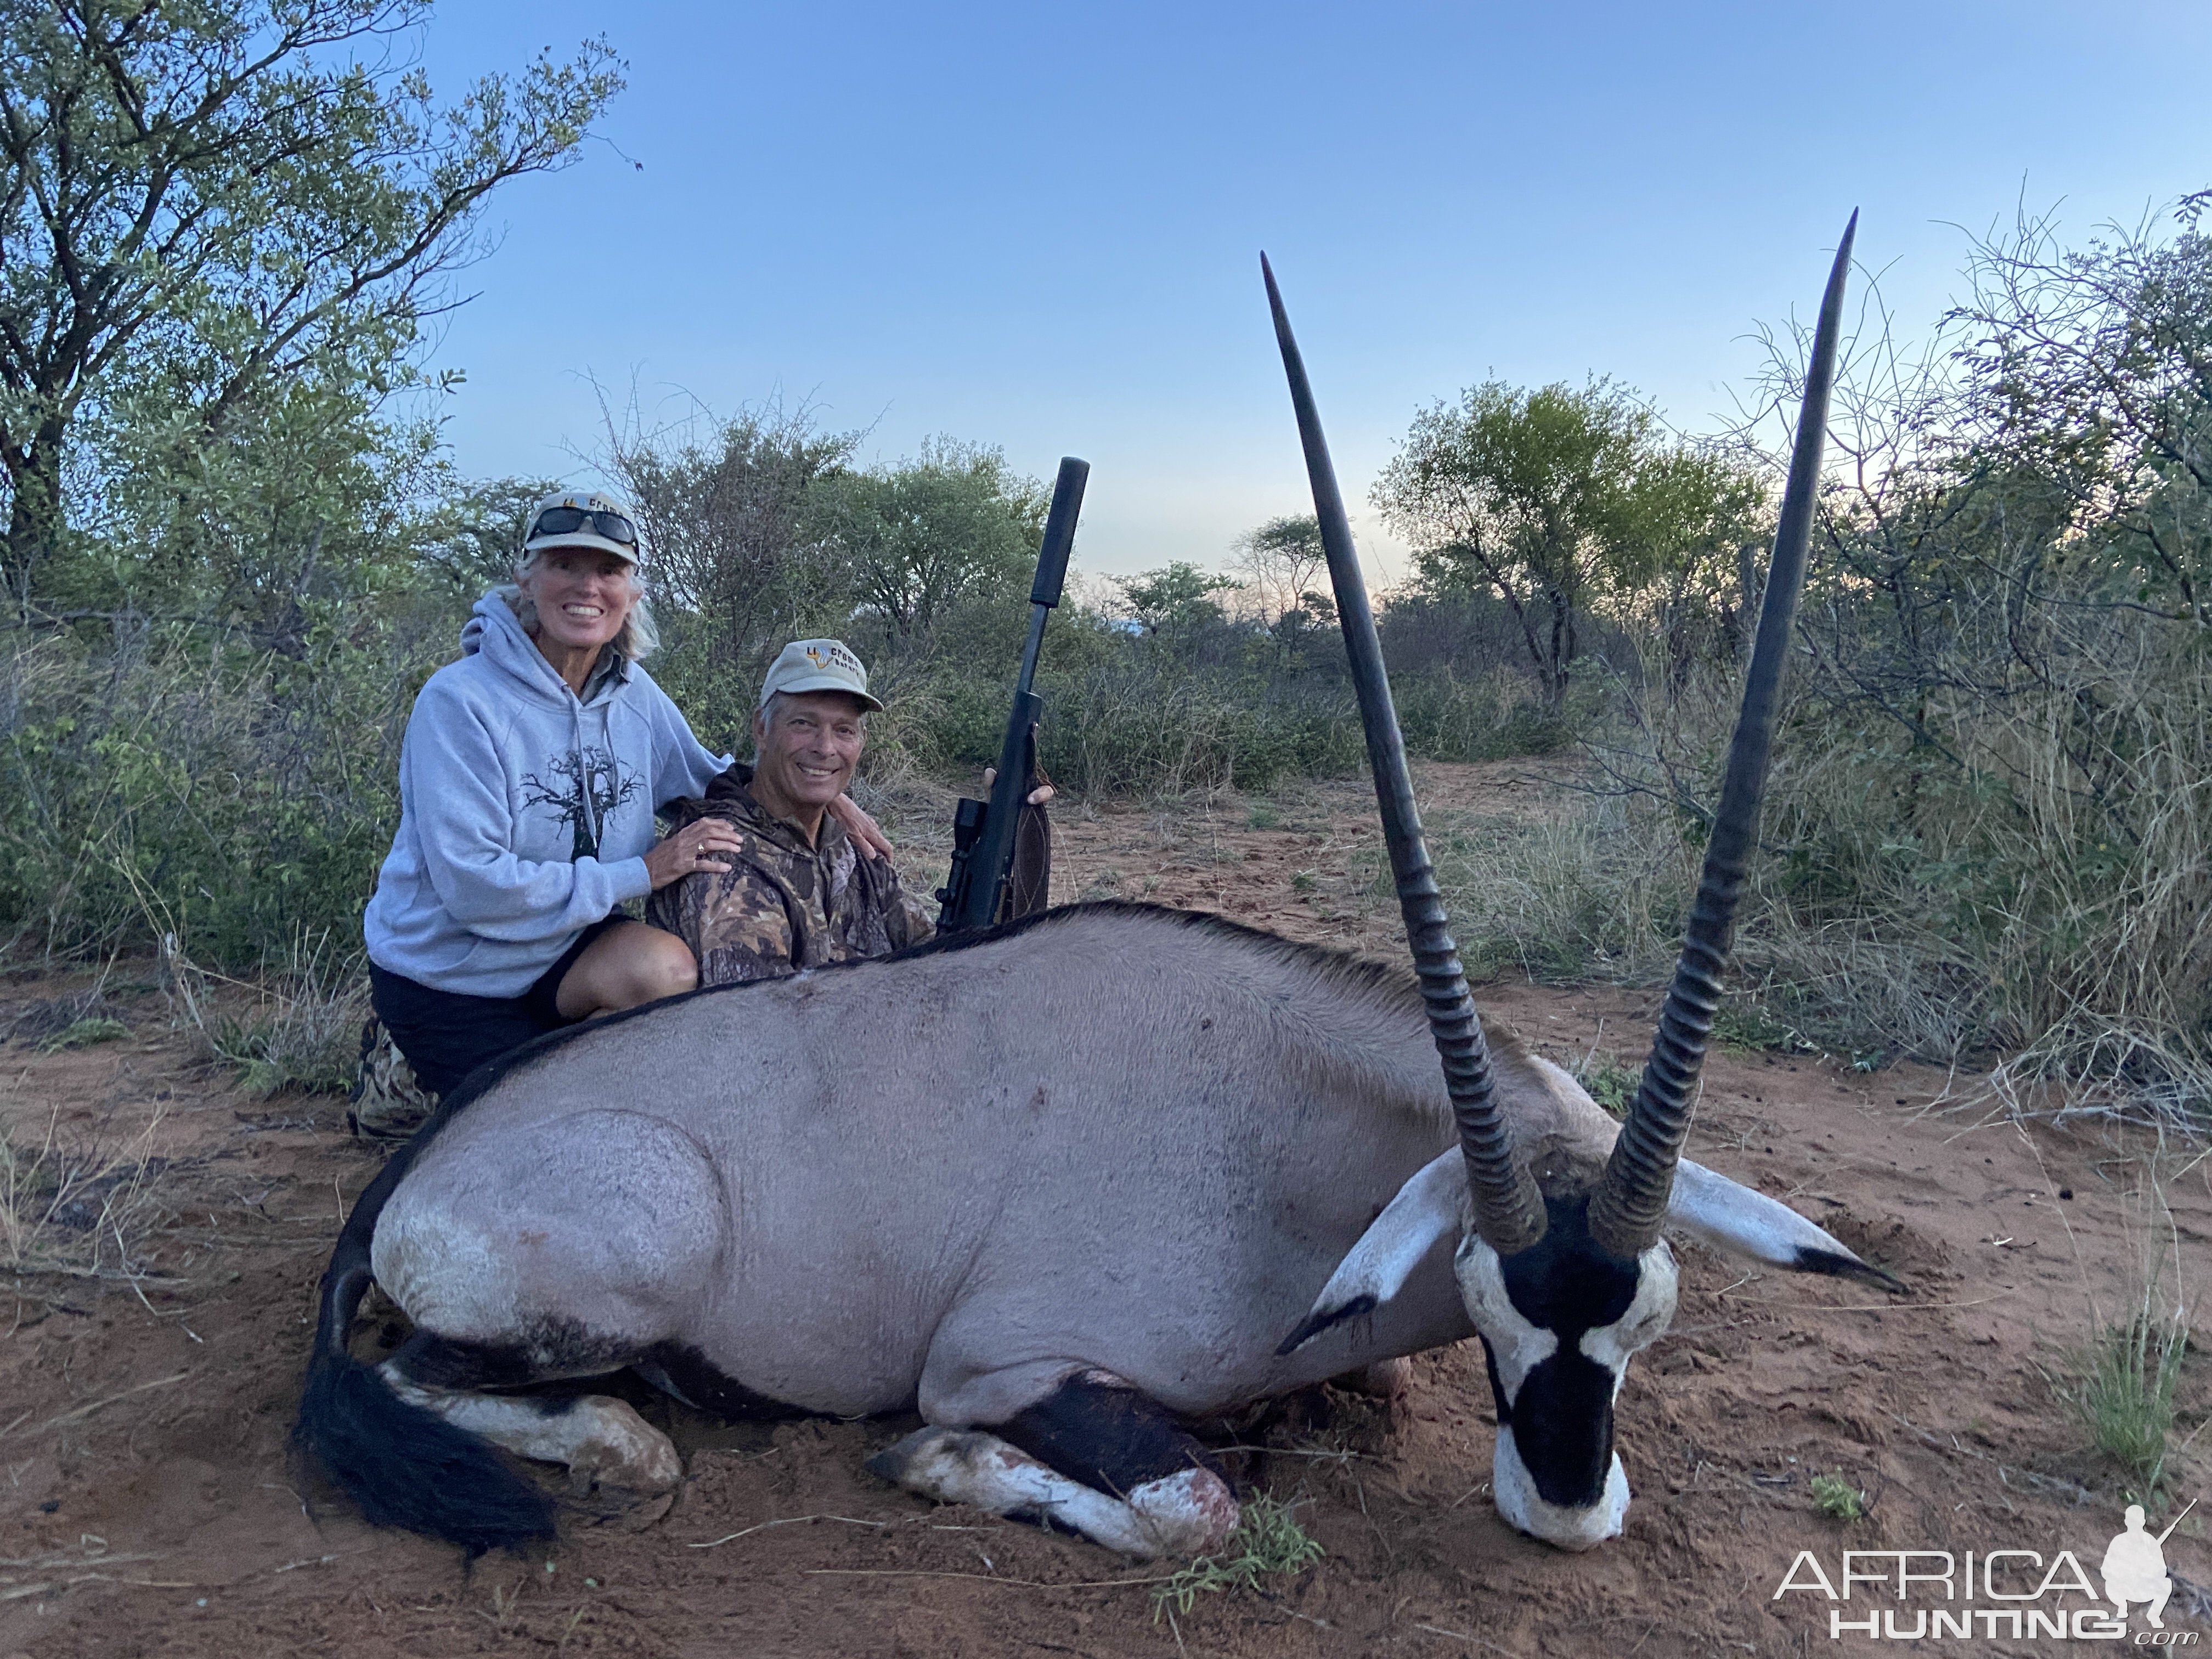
796,894
784,903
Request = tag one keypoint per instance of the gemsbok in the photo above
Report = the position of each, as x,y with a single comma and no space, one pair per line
1060,1187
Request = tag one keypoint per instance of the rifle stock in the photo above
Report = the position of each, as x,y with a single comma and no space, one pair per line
983,831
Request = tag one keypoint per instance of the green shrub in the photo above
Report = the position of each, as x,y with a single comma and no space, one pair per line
1498,717
86,1033
235,798
1838,1499
2121,1387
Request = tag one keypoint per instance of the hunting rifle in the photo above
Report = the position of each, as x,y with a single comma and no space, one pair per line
984,832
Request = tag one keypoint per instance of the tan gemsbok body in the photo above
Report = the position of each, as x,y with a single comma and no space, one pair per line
1059,1188
1113,1142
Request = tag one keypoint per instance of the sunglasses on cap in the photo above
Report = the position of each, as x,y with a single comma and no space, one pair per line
566,520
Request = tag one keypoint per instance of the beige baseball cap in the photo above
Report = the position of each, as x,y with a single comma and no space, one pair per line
582,517
816,665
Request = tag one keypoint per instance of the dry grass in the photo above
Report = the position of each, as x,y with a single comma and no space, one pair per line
1586,891
300,1028
2035,887
83,1211
2123,1385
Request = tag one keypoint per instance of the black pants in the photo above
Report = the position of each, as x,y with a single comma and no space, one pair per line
446,1034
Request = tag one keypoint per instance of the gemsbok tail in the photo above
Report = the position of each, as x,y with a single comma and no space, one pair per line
403,1466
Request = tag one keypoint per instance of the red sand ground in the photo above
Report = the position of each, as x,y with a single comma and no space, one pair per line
146,1507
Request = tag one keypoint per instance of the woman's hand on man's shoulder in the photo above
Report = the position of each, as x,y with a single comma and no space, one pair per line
704,846
863,830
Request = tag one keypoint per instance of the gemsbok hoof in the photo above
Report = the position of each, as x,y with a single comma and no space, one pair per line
623,1467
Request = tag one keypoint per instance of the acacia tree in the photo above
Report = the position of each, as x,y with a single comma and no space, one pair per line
1176,599
200,197
1557,500
1282,561
728,509
954,521
2088,372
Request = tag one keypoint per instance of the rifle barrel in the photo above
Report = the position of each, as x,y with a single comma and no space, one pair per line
977,884
2177,1521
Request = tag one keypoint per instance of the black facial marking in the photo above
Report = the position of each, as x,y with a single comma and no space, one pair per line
1562,1414
1107,1437
1563,1425
1497,1388
676,1369
1564,1281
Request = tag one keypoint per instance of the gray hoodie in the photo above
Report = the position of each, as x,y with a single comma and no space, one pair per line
504,855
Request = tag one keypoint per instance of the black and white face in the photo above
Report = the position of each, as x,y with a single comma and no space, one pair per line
1560,1320
1558,1323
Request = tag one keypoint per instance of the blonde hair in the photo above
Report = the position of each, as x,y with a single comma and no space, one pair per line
639,638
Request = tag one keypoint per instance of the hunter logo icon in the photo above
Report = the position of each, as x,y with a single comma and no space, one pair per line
2007,1592
2133,1567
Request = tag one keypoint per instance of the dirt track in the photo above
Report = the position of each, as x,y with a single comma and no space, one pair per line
146,1505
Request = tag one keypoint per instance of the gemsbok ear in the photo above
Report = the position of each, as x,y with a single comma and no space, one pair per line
1735,1220
1432,1205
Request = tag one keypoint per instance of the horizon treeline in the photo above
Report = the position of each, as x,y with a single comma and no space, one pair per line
235,546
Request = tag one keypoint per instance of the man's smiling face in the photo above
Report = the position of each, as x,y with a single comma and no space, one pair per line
809,742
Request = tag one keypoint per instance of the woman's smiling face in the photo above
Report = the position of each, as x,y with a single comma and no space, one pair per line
583,596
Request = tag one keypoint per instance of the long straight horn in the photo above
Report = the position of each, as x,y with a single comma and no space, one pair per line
1507,1212
1629,1209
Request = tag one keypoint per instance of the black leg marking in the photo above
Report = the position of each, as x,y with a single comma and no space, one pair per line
681,1371
550,1352
1106,1435
445,1362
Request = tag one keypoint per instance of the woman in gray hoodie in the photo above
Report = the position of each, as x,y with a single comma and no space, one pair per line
529,779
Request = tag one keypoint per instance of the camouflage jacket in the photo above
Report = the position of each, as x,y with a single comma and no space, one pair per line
782,905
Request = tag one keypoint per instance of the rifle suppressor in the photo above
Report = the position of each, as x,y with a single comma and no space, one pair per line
983,831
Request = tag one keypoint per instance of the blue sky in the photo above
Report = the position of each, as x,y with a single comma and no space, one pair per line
1038,227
